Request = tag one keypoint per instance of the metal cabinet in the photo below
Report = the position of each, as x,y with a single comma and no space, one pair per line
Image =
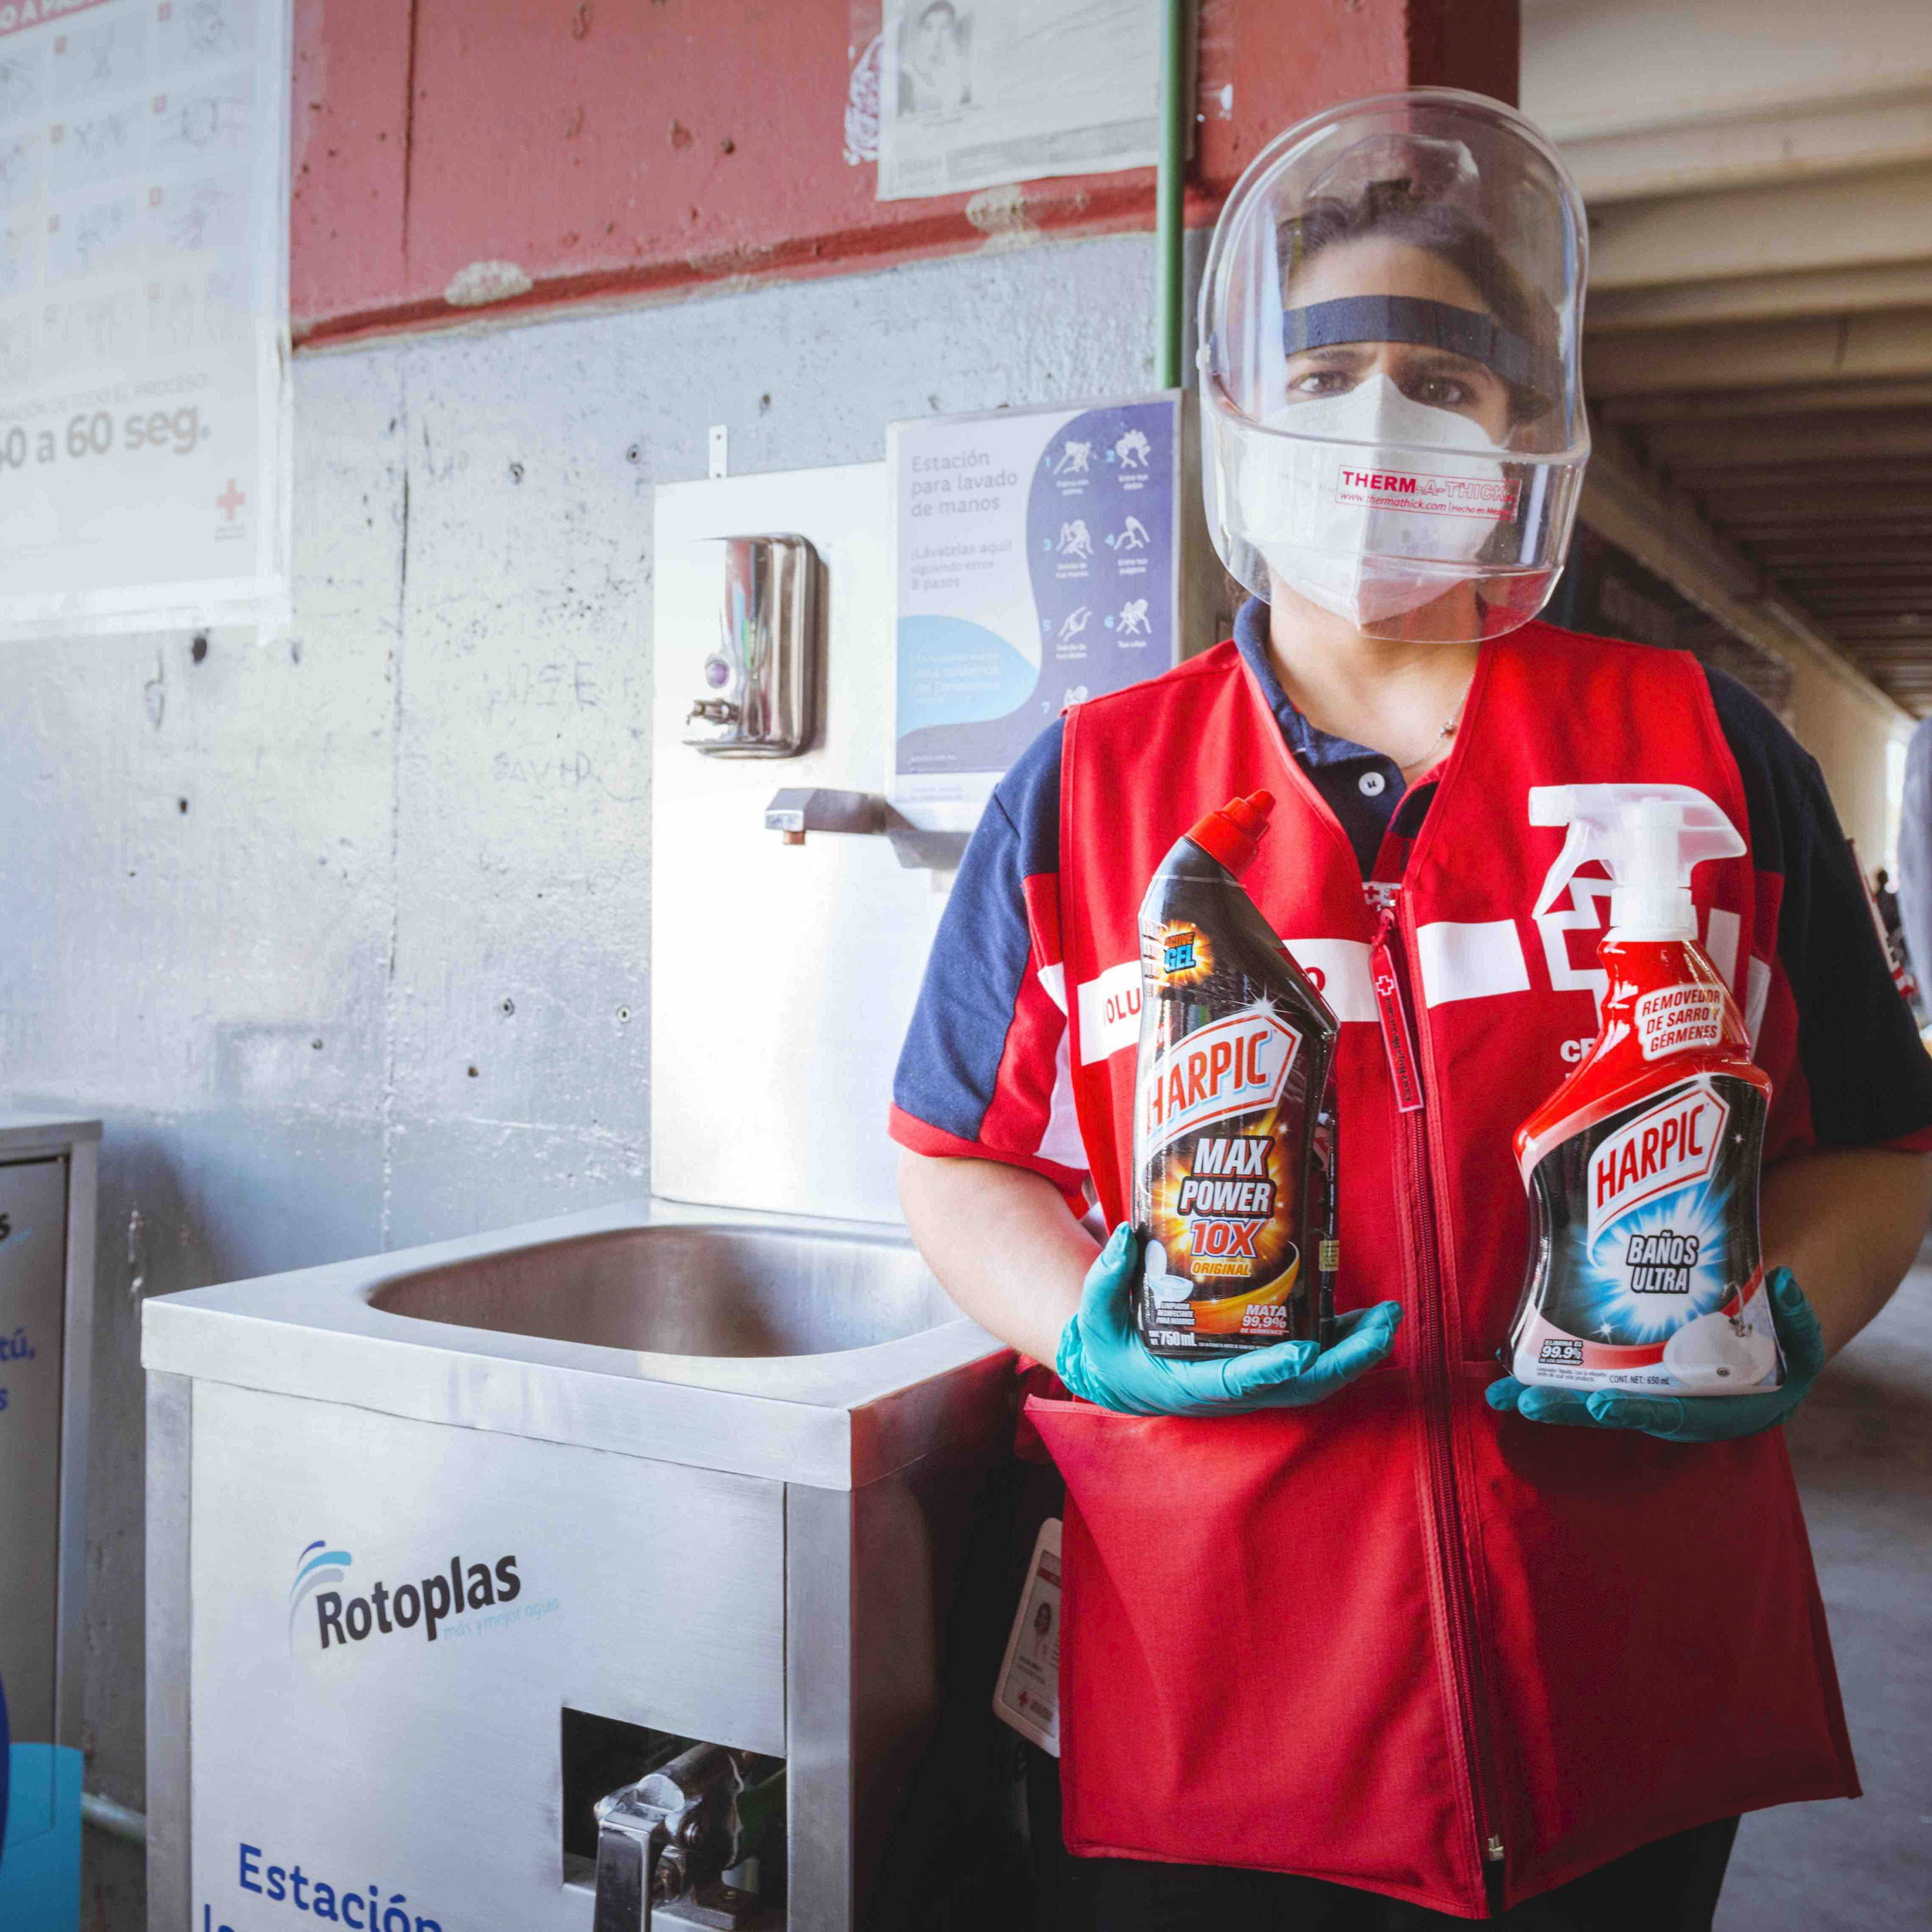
47,1170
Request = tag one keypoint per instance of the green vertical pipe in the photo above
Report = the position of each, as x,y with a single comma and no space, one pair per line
1169,184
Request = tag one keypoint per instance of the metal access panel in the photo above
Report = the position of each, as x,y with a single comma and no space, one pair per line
330,1733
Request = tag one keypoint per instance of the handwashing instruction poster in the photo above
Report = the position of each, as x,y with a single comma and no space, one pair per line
1037,565
143,218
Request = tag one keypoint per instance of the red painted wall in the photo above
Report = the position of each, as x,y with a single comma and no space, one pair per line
613,148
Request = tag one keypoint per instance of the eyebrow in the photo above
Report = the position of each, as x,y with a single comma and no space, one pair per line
1331,352
1344,354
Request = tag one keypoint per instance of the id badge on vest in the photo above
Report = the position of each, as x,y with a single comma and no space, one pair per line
1028,1694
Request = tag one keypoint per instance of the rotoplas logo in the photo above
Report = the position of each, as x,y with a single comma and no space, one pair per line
425,1603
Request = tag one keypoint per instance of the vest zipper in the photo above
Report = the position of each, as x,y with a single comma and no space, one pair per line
1388,956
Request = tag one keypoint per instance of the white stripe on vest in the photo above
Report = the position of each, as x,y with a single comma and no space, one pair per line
1110,1005
1339,968
1110,1011
1473,961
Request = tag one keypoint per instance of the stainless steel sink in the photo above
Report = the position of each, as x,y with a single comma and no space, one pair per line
712,1290
731,1461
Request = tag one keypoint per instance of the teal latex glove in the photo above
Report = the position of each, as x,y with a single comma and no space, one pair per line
1102,1359
1691,1418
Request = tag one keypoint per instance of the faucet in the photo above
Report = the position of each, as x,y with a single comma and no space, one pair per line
672,1835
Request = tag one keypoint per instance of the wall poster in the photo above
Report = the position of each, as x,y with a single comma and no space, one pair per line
973,93
143,312
1038,562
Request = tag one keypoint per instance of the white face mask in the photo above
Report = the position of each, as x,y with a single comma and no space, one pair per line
1369,507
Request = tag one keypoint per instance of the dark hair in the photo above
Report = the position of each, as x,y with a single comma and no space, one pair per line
1390,211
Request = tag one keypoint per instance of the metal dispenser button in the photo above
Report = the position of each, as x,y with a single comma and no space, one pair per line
762,680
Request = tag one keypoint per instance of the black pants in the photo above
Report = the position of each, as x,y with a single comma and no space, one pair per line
1669,1886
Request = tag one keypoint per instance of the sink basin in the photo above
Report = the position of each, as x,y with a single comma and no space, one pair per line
818,1351
692,1289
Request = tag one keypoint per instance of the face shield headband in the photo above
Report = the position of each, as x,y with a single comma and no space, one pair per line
1534,377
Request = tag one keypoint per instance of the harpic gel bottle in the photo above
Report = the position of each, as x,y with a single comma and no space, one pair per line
1234,1115
1642,1167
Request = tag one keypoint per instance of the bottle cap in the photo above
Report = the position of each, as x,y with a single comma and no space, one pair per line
1232,835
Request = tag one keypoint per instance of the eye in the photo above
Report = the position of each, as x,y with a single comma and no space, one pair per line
1443,392
1321,383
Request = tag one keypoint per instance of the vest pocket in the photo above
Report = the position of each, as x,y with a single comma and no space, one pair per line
1248,1667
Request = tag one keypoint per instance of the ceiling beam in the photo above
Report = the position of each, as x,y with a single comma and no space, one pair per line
1778,439
1604,76
1876,503
1624,502
1803,555
1850,594
1776,535
1870,627
1755,354
1757,297
1833,400
1732,151
1799,476
1841,222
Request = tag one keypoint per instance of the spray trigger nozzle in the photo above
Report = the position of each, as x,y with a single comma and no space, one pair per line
1649,838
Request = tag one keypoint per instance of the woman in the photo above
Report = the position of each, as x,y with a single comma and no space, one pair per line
1371,1637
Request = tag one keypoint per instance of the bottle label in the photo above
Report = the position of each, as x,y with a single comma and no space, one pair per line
1235,1066
1219,1119
1646,1270
1658,1159
1674,1019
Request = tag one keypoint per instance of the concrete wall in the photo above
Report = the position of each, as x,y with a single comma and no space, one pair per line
345,931
1847,733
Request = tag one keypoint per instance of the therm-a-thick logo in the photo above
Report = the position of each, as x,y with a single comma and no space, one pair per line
425,1604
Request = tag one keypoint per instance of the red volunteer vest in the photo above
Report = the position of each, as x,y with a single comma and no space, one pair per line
1396,1638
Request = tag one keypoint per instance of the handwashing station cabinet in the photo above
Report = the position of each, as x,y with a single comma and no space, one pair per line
541,1581
587,1573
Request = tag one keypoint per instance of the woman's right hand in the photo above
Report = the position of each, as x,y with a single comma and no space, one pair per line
1102,1359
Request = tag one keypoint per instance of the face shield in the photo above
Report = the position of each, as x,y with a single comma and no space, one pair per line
1389,323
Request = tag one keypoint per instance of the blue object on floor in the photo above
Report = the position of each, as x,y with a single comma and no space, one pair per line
40,1867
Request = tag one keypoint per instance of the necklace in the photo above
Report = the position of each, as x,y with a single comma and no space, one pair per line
1448,730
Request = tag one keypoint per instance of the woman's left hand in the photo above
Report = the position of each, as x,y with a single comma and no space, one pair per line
1696,1418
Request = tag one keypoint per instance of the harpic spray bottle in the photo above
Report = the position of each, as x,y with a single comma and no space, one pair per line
1233,1115
1642,1167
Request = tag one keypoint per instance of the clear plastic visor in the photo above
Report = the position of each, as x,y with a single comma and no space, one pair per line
1431,237
1390,324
